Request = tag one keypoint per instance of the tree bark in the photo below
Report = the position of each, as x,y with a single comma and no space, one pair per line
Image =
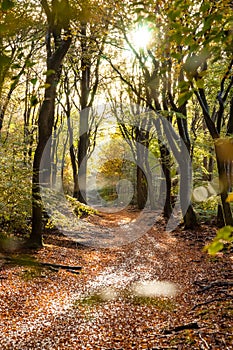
226,209
42,162
84,116
166,184
141,188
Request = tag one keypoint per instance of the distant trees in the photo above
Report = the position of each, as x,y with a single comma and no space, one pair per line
156,82
92,28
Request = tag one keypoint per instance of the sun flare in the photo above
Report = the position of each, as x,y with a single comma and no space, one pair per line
141,37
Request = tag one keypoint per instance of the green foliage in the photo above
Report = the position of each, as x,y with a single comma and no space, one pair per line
90,300
7,5
4,61
33,272
207,209
49,72
162,304
108,193
80,209
109,294
15,189
58,205
32,268
223,238
184,97
34,100
34,81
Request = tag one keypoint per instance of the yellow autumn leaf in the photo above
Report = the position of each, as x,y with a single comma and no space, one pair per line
229,197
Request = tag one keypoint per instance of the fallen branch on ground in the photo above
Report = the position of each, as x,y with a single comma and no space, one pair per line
192,325
216,284
212,301
31,262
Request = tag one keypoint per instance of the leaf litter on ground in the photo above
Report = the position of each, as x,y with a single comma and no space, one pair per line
144,295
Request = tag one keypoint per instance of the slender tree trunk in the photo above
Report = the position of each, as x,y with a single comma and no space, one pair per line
75,171
84,116
189,215
166,185
82,155
141,188
73,159
71,138
190,221
150,184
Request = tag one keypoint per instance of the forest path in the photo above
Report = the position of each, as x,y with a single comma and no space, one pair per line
148,294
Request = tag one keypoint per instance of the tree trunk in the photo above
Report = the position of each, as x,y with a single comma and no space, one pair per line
45,121
82,156
150,185
190,221
166,184
141,188
223,184
71,139
84,117
42,161
226,209
189,215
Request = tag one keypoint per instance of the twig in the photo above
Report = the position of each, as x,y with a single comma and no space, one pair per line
216,284
204,341
69,270
192,325
228,296
64,267
164,347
